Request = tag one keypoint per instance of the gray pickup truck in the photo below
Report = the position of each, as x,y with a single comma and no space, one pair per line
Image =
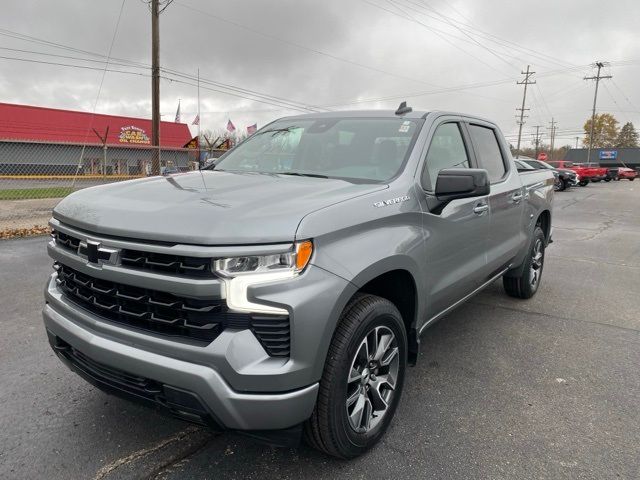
282,291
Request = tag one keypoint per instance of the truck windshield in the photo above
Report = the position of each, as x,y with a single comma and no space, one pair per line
364,149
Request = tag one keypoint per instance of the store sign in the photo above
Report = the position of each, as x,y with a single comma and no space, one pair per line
608,154
131,134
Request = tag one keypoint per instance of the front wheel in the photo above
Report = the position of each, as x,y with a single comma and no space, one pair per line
583,183
526,284
632,179
362,380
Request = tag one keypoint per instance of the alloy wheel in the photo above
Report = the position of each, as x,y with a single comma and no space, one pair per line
537,260
372,379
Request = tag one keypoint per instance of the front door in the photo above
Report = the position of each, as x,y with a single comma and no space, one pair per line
456,236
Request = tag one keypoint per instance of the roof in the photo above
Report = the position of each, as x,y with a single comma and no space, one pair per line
39,124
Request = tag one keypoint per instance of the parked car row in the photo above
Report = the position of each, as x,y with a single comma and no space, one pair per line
568,174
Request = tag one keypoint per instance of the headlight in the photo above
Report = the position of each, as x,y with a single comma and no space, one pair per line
239,273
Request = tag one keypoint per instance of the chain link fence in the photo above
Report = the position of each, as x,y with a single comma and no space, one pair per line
35,176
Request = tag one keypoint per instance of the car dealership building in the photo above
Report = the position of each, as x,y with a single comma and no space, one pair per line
48,141
606,157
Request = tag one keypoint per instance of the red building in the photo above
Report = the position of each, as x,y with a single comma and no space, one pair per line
37,140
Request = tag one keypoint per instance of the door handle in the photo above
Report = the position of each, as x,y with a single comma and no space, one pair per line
480,209
516,197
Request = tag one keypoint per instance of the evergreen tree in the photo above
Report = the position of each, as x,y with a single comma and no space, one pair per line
628,136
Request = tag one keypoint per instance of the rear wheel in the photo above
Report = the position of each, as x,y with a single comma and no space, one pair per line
608,179
583,183
632,179
362,379
526,285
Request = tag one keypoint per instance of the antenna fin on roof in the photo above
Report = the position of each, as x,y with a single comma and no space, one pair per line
402,109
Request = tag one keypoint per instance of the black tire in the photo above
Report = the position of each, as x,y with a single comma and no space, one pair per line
583,183
565,185
607,179
632,179
524,286
330,429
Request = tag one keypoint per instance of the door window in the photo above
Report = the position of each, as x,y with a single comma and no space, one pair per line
447,150
488,151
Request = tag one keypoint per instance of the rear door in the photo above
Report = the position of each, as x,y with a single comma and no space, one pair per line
506,232
456,237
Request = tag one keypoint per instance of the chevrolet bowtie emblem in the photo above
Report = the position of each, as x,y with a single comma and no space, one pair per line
97,254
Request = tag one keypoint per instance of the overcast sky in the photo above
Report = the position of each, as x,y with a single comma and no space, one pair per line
333,54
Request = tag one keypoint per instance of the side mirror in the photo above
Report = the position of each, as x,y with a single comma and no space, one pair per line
453,183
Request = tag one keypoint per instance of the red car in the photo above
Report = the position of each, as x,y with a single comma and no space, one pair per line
628,173
586,172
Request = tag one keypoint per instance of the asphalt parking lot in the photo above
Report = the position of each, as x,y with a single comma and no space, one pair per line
504,389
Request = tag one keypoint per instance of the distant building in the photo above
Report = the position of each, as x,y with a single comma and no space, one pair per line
37,140
606,157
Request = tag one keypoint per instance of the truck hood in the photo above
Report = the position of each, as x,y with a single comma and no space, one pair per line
207,207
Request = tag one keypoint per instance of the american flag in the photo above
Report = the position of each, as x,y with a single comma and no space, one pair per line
230,126
196,121
251,129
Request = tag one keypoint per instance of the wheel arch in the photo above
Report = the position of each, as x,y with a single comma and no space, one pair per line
395,279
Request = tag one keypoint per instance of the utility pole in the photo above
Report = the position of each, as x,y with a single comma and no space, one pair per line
537,140
553,134
155,86
577,138
597,78
525,82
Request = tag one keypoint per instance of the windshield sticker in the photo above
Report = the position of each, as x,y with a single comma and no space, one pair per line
404,128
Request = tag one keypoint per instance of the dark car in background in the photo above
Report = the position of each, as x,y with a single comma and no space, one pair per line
565,178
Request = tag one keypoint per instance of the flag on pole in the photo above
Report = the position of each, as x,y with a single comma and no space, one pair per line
251,129
178,113
196,121
230,126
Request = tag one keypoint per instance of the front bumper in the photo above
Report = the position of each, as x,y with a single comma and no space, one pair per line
225,406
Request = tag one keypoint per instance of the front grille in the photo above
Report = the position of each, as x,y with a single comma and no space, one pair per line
149,261
164,263
166,314
149,310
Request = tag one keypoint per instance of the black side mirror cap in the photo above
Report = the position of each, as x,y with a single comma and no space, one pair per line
454,183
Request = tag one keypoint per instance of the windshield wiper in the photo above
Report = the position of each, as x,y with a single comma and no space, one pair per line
300,174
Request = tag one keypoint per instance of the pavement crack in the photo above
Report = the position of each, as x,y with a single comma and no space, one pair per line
139,455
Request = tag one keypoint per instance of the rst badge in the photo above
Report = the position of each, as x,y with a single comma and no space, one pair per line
391,201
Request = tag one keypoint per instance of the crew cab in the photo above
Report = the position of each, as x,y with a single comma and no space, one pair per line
586,172
283,290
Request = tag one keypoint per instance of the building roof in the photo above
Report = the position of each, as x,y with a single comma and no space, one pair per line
39,124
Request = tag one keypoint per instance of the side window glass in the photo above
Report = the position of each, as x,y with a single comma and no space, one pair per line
446,151
488,151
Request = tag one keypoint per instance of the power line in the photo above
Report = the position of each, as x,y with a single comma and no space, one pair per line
461,30
301,46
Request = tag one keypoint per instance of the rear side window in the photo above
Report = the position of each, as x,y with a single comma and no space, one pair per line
447,150
488,151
